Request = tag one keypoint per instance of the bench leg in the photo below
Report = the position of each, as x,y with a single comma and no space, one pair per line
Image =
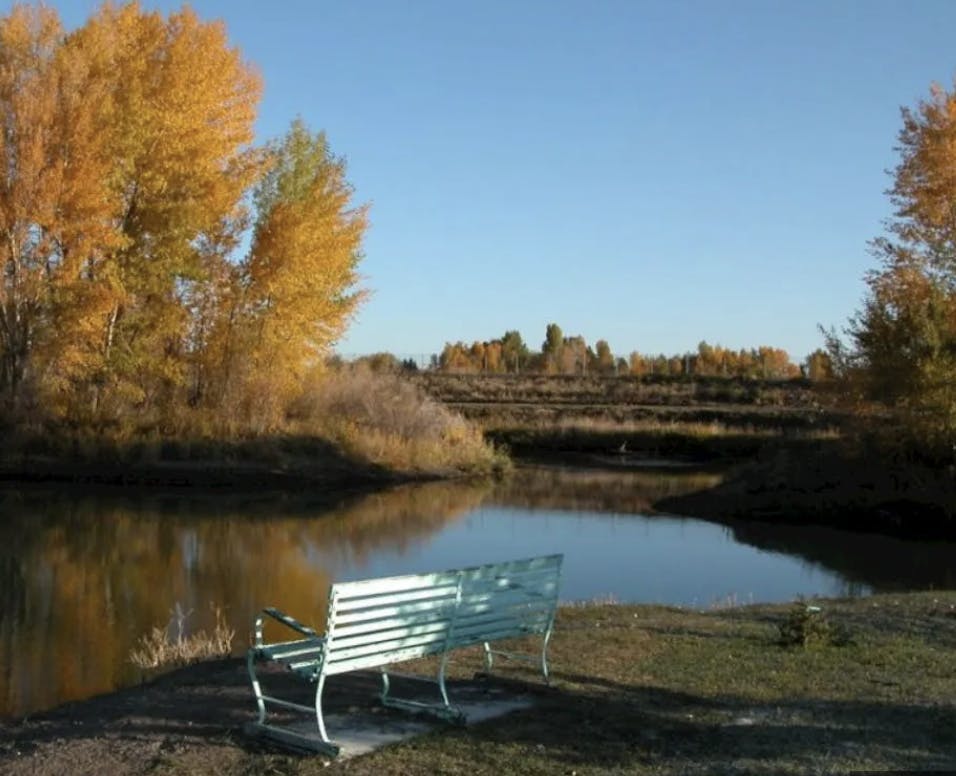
443,710
542,661
318,708
284,735
544,654
256,687
489,658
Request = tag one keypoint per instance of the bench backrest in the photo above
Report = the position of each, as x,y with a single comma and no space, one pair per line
376,622
504,600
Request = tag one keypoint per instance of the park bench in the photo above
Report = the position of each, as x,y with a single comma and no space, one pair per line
375,623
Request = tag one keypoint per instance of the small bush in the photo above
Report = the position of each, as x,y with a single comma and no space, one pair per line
807,626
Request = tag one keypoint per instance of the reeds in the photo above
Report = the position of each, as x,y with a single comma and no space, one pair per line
172,646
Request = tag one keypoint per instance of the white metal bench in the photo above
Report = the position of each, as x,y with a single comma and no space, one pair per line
377,622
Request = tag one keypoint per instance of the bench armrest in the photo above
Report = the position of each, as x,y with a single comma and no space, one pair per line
282,617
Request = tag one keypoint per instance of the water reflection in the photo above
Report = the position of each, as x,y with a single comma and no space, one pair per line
82,576
629,491
866,562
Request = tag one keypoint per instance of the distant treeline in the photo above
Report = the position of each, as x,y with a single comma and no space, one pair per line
509,354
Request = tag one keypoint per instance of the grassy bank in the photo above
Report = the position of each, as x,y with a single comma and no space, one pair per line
785,451
701,418
640,689
831,482
348,428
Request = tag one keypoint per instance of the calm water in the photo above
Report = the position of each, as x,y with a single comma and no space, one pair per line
82,577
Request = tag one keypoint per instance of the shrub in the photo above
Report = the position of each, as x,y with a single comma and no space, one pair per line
807,626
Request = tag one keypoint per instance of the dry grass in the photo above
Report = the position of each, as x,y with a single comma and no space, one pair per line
386,420
161,649
599,389
347,418
693,429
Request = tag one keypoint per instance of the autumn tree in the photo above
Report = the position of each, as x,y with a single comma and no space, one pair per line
903,342
456,357
299,283
55,210
129,164
818,366
637,364
180,111
574,356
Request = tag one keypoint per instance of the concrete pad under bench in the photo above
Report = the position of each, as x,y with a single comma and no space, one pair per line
361,725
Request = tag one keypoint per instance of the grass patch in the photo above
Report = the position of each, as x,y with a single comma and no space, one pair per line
660,690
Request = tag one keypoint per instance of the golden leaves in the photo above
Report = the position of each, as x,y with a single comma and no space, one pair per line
128,146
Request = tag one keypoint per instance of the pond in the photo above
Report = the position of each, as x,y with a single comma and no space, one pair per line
84,575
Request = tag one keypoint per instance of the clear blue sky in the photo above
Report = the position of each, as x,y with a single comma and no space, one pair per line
652,174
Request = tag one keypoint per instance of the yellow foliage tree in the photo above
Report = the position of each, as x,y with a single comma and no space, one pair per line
180,110
904,339
127,147
300,279
55,215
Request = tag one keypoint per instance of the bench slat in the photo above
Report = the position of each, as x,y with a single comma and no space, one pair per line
526,580
428,642
486,631
400,610
375,660
549,562
395,584
509,569
385,634
406,596
508,600
422,619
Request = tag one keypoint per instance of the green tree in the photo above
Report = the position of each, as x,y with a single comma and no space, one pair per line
514,352
552,346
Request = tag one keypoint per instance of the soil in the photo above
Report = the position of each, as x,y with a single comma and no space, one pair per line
193,712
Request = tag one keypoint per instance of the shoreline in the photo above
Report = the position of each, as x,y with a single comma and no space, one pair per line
800,484
639,688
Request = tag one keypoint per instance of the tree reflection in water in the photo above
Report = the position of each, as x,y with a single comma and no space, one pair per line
624,491
83,577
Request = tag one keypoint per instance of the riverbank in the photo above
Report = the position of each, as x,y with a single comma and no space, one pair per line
350,430
782,448
639,689
827,484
